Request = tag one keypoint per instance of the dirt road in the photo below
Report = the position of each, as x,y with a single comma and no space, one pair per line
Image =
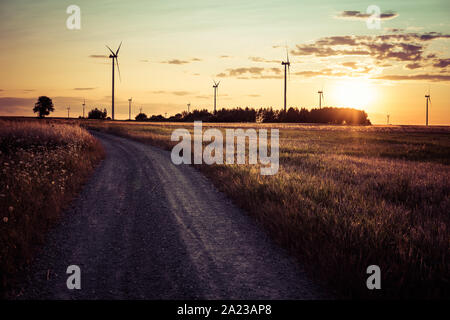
143,228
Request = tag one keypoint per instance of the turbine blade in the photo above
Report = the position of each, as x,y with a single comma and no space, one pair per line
117,52
218,83
110,50
118,69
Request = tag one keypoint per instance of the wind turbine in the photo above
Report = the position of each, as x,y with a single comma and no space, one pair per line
287,66
428,98
129,108
188,105
216,87
388,116
320,92
68,110
83,104
113,56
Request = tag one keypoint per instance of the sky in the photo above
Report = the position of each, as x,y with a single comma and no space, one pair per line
173,50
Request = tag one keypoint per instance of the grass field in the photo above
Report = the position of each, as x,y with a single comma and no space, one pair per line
345,198
42,166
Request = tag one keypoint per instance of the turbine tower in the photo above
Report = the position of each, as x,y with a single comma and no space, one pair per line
114,57
320,98
68,112
388,116
84,103
188,105
216,87
428,98
287,66
129,108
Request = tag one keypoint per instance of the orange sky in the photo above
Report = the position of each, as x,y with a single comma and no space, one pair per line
173,50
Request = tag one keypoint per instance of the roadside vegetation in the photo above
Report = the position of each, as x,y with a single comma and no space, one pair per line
345,198
43,164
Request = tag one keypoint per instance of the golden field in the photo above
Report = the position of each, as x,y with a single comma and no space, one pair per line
345,198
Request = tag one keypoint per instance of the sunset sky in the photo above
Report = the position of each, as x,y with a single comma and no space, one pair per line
172,51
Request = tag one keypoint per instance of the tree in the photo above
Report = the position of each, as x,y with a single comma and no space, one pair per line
141,117
43,106
97,114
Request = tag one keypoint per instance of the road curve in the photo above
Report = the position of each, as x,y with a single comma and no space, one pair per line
143,228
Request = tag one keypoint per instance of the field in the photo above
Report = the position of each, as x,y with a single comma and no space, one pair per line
345,198
42,166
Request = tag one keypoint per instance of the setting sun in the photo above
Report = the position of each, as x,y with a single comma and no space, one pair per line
354,93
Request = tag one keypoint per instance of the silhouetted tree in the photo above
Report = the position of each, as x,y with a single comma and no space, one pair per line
141,117
97,114
43,106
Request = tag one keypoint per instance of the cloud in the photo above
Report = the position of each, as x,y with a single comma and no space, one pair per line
408,48
323,72
225,57
358,15
176,93
84,89
178,61
259,59
98,56
441,63
427,77
175,61
254,95
350,65
16,105
413,66
245,73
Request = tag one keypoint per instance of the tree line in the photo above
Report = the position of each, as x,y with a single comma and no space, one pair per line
326,115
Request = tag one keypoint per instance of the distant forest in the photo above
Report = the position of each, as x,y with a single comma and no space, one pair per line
327,115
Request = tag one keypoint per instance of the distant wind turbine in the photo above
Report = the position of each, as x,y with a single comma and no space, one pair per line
188,105
287,66
84,103
129,108
320,92
68,112
388,116
114,57
428,98
216,88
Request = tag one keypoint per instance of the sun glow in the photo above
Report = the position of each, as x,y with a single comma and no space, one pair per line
354,94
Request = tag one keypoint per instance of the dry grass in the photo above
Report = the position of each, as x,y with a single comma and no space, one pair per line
42,166
345,198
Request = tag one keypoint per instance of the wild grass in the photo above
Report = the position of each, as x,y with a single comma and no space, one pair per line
346,198
42,166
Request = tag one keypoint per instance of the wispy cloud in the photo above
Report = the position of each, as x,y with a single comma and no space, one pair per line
259,59
84,89
358,15
427,77
98,56
178,61
251,73
176,93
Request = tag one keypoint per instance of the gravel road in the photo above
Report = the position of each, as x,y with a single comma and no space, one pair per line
143,228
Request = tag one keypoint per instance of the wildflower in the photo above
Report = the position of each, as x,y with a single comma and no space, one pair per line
5,219
11,209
